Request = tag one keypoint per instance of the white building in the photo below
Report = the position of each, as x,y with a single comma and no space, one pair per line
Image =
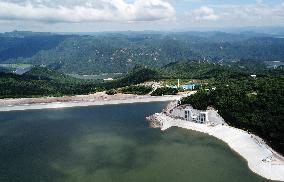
198,117
108,79
189,114
202,117
253,76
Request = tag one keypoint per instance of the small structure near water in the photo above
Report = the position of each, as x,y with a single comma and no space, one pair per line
199,117
186,112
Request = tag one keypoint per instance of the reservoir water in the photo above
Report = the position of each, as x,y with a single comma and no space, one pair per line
110,143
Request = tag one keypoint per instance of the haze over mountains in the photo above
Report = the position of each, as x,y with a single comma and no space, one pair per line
114,52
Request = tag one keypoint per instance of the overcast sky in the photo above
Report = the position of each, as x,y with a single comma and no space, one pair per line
117,15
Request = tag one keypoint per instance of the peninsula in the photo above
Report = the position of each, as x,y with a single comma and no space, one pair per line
261,158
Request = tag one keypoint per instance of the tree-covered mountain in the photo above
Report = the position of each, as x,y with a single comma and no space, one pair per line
207,70
256,105
42,81
122,51
26,44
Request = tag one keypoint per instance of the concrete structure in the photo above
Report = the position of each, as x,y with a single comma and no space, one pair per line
199,117
202,117
189,114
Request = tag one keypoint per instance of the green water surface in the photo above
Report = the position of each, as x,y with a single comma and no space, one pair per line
110,144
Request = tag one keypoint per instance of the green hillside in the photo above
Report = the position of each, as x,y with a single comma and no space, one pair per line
42,81
207,70
121,52
256,105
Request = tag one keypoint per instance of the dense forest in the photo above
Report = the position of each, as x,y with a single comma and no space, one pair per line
164,91
207,70
256,105
121,52
42,81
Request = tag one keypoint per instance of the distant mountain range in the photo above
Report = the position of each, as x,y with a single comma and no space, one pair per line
121,51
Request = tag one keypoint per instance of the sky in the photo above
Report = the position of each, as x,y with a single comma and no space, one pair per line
138,15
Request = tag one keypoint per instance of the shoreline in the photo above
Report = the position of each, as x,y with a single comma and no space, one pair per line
261,158
96,99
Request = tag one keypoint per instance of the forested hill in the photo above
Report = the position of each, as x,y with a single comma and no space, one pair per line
256,105
26,44
42,81
207,70
120,52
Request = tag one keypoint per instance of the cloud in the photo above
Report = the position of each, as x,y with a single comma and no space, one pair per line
90,11
203,13
249,14
262,13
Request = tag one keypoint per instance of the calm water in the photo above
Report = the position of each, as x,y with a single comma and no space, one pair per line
110,144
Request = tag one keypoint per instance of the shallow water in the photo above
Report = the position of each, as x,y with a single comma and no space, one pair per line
110,143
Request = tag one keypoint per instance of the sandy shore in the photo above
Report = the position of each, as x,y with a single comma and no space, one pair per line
80,100
261,159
